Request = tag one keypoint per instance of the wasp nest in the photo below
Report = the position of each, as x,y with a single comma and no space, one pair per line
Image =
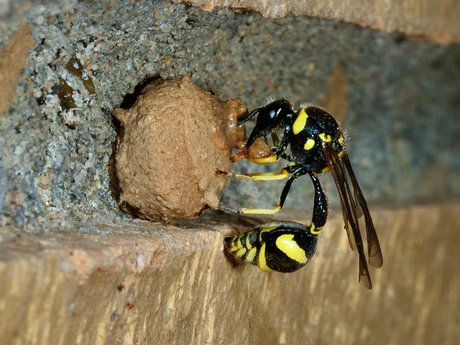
170,145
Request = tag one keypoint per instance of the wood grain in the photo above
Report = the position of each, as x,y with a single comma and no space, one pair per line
145,283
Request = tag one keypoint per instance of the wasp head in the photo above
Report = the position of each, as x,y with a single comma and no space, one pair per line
269,118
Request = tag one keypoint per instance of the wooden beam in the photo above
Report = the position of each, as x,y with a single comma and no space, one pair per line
141,282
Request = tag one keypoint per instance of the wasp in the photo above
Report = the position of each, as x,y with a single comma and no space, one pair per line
313,143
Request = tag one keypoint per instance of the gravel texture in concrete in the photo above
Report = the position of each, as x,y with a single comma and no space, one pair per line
402,101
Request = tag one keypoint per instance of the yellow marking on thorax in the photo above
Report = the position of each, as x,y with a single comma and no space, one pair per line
300,122
288,246
309,144
325,137
262,260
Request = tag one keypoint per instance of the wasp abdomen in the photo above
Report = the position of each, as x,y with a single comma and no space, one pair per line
245,246
281,246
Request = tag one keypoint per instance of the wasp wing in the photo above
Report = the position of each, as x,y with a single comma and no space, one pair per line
350,207
373,245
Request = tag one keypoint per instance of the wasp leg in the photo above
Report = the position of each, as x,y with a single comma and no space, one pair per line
282,175
296,174
239,155
319,209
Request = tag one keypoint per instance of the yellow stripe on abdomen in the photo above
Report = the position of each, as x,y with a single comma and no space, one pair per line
288,246
263,260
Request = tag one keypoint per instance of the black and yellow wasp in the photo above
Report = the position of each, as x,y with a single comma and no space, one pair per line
316,145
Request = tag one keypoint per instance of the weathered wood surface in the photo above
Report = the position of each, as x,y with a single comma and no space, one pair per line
145,283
